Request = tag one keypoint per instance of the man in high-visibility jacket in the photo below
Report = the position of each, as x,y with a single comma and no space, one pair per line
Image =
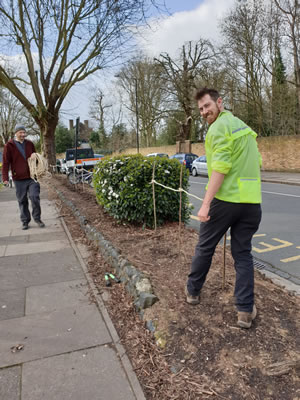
232,200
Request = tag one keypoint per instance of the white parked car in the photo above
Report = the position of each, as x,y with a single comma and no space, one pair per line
199,166
64,168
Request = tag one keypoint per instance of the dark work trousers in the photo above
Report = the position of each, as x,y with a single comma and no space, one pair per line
24,188
243,221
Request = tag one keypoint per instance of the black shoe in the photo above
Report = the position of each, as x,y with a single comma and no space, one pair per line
40,223
25,226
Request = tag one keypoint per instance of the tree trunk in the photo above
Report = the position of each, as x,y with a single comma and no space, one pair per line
48,145
187,128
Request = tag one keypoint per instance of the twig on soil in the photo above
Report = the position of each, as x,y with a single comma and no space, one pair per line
137,260
282,368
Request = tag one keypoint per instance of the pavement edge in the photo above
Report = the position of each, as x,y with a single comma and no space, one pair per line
291,287
132,378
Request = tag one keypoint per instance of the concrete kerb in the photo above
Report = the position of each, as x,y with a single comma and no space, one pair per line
280,182
125,362
291,287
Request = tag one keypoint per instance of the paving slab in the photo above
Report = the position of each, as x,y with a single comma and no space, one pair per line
32,248
47,206
22,239
7,195
8,218
31,237
45,236
10,205
56,296
36,269
51,226
8,202
89,374
12,304
53,333
10,383
2,251
5,230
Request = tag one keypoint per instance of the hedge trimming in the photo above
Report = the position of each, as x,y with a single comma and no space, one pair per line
123,187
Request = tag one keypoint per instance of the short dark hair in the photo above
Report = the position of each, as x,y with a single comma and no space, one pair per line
214,94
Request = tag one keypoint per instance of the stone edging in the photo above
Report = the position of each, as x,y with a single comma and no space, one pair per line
123,357
137,283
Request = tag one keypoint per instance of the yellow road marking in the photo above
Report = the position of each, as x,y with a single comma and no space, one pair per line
270,247
295,258
286,260
259,235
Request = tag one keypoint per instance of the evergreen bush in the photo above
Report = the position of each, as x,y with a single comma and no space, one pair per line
123,187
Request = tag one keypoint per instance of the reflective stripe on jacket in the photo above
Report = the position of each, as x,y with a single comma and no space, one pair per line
231,149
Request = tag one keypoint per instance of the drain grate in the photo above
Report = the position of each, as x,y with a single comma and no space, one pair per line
259,264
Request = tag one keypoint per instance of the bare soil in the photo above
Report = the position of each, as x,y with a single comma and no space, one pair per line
197,352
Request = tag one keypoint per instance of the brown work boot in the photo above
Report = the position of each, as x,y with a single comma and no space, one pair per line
191,299
245,318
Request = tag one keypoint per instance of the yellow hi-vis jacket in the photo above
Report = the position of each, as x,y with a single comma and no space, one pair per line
231,149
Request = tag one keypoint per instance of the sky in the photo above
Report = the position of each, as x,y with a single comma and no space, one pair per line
187,20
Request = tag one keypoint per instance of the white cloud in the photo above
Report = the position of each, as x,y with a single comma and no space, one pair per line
169,33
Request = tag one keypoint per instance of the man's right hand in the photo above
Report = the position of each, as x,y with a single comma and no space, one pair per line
203,213
5,183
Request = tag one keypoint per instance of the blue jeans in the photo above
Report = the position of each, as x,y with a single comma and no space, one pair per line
243,221
24,188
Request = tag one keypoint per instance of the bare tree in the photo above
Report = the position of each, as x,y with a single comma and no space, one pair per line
290,10
143,82
181,74
11,113
62,43
98,107
98,112
244,37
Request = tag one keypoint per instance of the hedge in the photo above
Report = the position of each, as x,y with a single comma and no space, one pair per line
123,187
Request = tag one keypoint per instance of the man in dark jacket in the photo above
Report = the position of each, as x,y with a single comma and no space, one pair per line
15,156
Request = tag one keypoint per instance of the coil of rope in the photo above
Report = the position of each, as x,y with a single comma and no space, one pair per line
38,166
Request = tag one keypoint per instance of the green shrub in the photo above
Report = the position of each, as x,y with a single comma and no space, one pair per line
123,187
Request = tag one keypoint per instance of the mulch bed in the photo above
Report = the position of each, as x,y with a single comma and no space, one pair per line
197,352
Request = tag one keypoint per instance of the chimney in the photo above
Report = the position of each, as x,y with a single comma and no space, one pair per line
71,124
86,123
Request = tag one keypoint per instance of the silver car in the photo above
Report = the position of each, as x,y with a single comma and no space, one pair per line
199,166
157,155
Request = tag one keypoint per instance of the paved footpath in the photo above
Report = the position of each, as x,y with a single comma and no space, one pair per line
68,347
